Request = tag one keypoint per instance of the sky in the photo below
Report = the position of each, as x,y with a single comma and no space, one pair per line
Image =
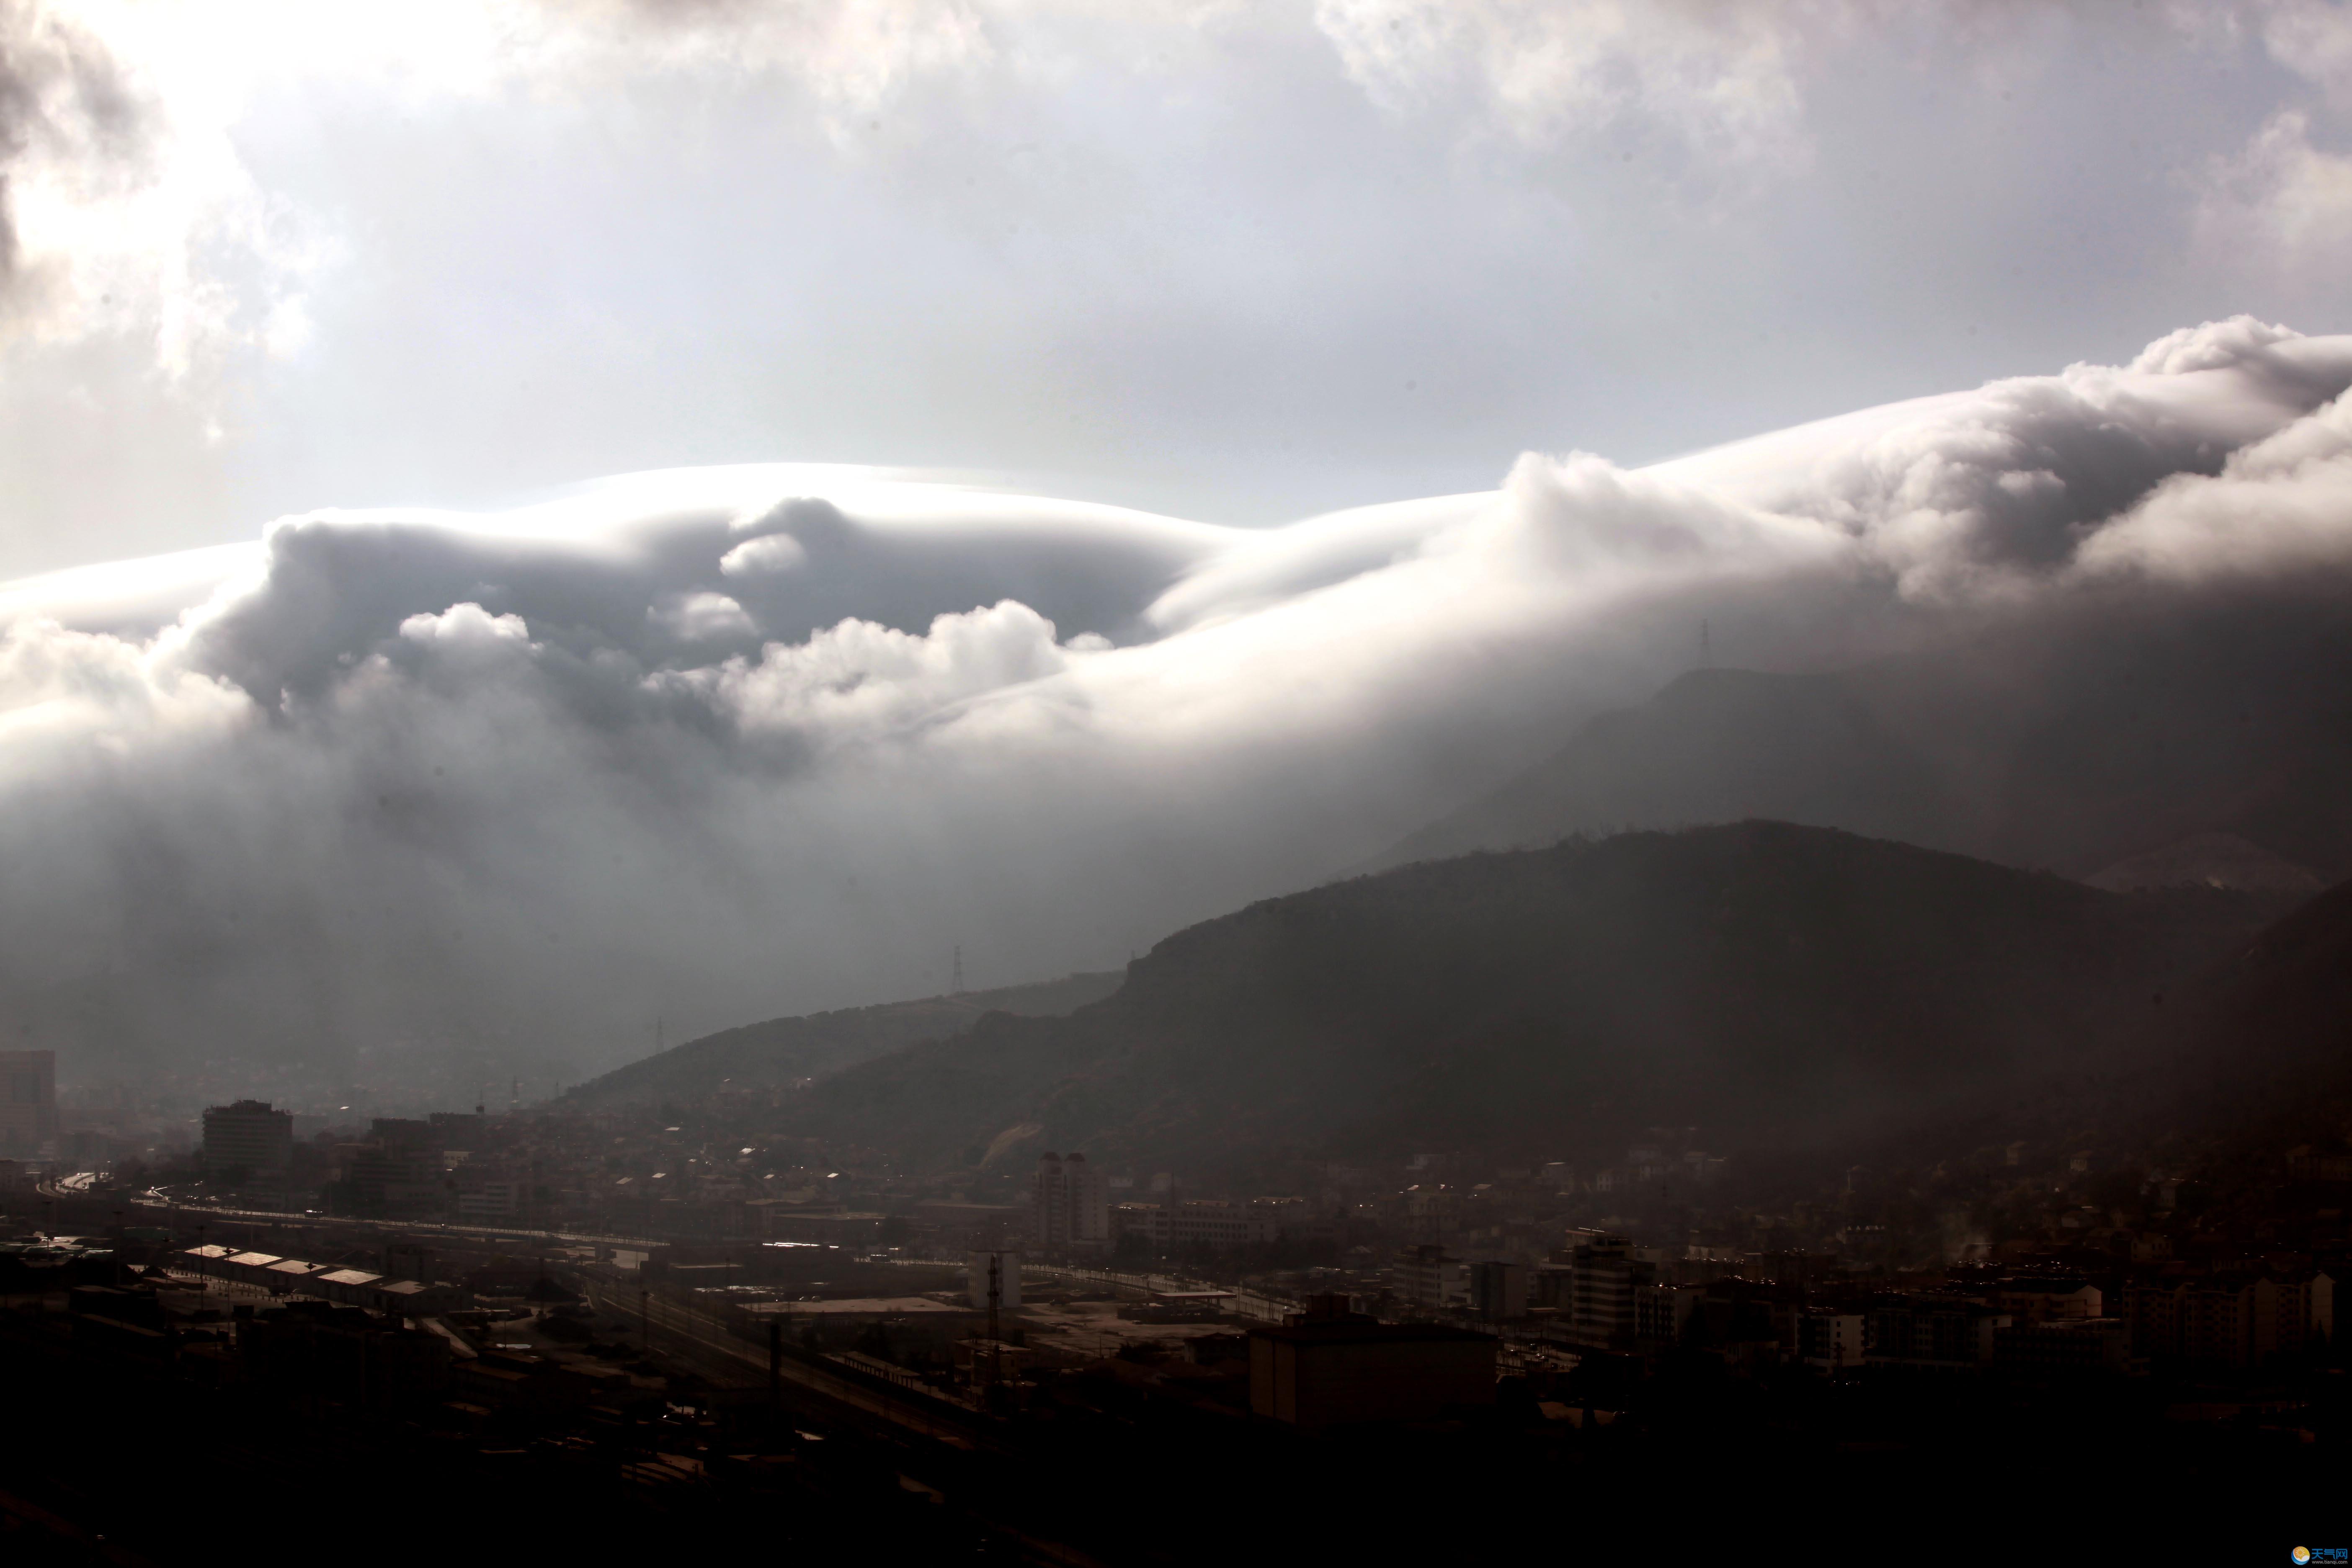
1241,263
524,526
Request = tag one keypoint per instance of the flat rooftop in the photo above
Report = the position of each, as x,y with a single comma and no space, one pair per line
861,1306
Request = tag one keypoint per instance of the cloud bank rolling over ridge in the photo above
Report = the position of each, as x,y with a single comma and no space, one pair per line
719,744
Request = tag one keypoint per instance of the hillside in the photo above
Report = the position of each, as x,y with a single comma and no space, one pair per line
2209,861
1772,985
783,1052
1716,745
2265,1050
2072,752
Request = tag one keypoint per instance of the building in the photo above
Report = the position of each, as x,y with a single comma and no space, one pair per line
1205,1222
248,1137
1498,1291
2238,1322
1428,1281
1330,1367
1601,1289
396,1169
1831,1341
2293,1312
28,1101
961,1224
1008,1278
1069,1204
2064,1347
2218,1325
1662,1312
1933,1333
479,1198
1294,1220
2032,1300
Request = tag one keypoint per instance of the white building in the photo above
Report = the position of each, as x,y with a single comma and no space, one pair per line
1830,1341
1008,1278
1069,1204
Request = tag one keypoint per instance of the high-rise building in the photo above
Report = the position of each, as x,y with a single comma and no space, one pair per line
28,1101
1600,1310
1498,1290
1069,1204
249,1136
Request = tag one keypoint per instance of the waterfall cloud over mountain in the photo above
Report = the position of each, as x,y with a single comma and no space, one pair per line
714,744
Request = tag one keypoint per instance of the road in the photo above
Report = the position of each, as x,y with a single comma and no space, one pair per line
192,1213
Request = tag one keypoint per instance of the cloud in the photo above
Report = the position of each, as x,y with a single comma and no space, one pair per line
1720,81
68,125
701,616
2281,206
2313,38
430,781
771,552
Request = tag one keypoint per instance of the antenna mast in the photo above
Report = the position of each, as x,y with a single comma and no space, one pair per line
955,985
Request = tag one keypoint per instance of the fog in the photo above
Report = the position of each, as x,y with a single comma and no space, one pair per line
702,746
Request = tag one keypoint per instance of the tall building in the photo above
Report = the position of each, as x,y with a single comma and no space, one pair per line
249,1136
29,1099
1498,1290
1069,1204
1601,1309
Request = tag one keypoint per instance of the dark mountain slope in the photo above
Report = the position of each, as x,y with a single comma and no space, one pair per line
787,1050
2072,750
1716,745
2265,1052
1772,985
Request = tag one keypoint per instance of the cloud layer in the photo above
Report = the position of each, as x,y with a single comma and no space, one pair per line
1241,262
711,746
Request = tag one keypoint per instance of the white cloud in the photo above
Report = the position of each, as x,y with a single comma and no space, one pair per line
1720,80
2281,206
770,553
465,627
861,681
2312,38
700,616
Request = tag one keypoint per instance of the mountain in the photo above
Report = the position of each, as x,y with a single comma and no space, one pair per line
2209,861
1773,985
781,1052
1716,745
2072,750
2265,1046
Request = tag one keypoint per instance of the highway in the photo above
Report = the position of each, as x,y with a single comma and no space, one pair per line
192,1213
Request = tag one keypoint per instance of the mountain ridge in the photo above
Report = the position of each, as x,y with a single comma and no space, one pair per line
1775,983
2072,752
782,1052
